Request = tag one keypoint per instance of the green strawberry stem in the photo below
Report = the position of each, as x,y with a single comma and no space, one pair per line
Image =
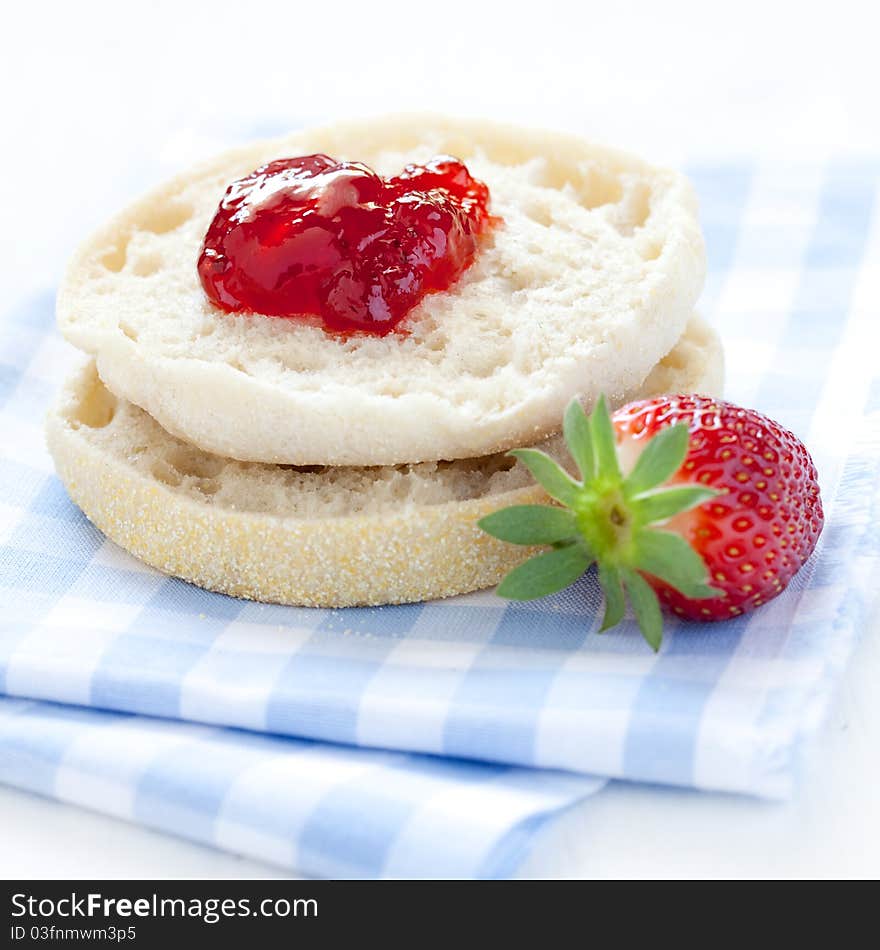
606,518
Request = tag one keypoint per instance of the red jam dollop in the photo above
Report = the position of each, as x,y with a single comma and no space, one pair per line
313,236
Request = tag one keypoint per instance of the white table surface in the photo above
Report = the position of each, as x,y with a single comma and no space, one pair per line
100,96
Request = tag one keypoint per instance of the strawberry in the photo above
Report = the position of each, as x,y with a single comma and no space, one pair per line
754,536
685,502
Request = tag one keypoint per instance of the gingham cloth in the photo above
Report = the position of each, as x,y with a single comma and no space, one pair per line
794,286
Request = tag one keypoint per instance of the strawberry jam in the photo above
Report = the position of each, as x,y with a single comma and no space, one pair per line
312,236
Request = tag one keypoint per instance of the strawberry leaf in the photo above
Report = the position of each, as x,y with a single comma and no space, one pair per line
546,573
663,504
576,429
670,558
661,458
607,467
551,476
646,607
530,524
615,602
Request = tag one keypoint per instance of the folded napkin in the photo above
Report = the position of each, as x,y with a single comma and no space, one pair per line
327,809
333,740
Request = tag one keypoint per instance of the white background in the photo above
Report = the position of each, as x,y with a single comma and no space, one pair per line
100,98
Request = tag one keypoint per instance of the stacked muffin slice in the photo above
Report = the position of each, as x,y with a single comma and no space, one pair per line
267,458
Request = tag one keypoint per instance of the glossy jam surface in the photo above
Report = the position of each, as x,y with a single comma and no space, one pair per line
312,236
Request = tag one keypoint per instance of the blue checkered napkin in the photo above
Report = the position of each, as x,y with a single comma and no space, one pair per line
793,286
323,809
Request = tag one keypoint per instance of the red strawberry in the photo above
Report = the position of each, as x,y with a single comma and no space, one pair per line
756,535
716,510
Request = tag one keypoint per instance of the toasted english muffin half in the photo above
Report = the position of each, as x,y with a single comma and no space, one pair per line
583,288
319,536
